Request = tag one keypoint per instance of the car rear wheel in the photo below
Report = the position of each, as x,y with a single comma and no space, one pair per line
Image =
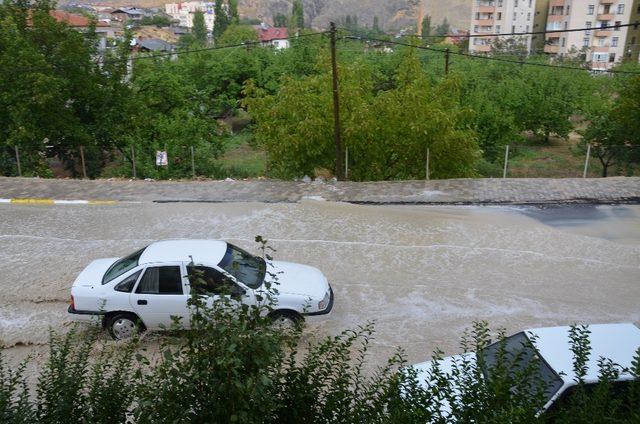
286,319
124,326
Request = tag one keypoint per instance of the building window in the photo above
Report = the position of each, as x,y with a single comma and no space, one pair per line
513,29
530,1
604,24
499,16
498,29
564,42
620,9
515,16
601,41
477,16
590,9
585,42
587,25
515,3
617,24
529,16
499,3
614,42
612,57
475,28
568,7
527,30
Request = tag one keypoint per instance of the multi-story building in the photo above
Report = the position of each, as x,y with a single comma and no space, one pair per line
183,12
539,24
602,47
632,45
500,17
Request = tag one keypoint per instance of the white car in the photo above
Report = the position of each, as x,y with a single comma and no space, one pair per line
617,342
147,288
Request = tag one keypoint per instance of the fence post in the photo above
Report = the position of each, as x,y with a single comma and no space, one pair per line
446,61
586,161
346,163
84,168
18,161
427,167
506,161
133,162
193,163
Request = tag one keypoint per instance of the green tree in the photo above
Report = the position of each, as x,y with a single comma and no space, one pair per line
279,21
444,28
297,15
426,26
233,12
236,34
199,28
221,20
376,25
387,132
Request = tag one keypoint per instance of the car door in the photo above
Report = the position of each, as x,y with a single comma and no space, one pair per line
160,295
213,283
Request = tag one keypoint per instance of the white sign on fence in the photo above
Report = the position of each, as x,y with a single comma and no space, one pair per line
161,158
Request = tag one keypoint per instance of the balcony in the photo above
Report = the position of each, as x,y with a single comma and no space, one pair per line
483,23
602,33
555,18
486,9
553,49
607,1
600,49
606,16
556,3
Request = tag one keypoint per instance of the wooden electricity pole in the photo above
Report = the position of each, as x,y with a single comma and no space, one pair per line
336,108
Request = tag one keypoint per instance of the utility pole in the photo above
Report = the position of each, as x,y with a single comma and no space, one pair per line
336,107
446,61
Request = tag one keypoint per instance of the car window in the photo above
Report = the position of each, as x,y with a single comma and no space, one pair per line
161,280
519,354
245,267
121,266
207,281
127,284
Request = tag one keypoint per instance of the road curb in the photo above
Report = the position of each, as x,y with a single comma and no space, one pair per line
33,201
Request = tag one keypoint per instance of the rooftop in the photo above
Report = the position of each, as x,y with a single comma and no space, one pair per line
270,34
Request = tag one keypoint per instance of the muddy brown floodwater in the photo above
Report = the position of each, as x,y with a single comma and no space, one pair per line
424,274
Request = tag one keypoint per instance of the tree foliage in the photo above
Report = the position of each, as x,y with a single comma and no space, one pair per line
199,29
297,15
387,132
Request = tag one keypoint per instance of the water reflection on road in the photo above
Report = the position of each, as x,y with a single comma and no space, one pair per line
422,273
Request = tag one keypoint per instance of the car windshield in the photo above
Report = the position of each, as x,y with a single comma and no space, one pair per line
519,353
122,265
244,266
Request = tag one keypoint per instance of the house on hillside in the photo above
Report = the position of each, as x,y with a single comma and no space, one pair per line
276,37
81,23
154,45
125,14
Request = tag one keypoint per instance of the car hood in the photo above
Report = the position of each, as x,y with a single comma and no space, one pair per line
93,273
298,279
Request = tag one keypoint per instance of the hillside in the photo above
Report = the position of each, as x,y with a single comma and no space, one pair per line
393,14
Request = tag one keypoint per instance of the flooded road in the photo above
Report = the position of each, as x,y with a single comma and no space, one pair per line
422,273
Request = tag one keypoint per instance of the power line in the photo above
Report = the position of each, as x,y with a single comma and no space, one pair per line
635,24
496,59
102,60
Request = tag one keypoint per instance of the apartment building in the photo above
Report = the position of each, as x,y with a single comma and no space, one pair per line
539,24
500,17
632,45
603,47
183,12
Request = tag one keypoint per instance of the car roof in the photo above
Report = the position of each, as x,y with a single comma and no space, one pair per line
200,251
618,342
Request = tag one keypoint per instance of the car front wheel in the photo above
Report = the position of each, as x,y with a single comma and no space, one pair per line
286,319
124,326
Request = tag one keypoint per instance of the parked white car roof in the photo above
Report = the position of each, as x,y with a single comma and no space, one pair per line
202,251
617,342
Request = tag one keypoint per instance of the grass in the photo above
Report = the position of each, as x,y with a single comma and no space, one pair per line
241,159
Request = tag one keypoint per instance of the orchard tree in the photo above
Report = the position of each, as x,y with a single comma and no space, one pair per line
199,28
297,15
236,34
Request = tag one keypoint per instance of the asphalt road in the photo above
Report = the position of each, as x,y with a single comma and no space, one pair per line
423,274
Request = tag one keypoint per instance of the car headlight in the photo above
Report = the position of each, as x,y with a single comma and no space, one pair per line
324,302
